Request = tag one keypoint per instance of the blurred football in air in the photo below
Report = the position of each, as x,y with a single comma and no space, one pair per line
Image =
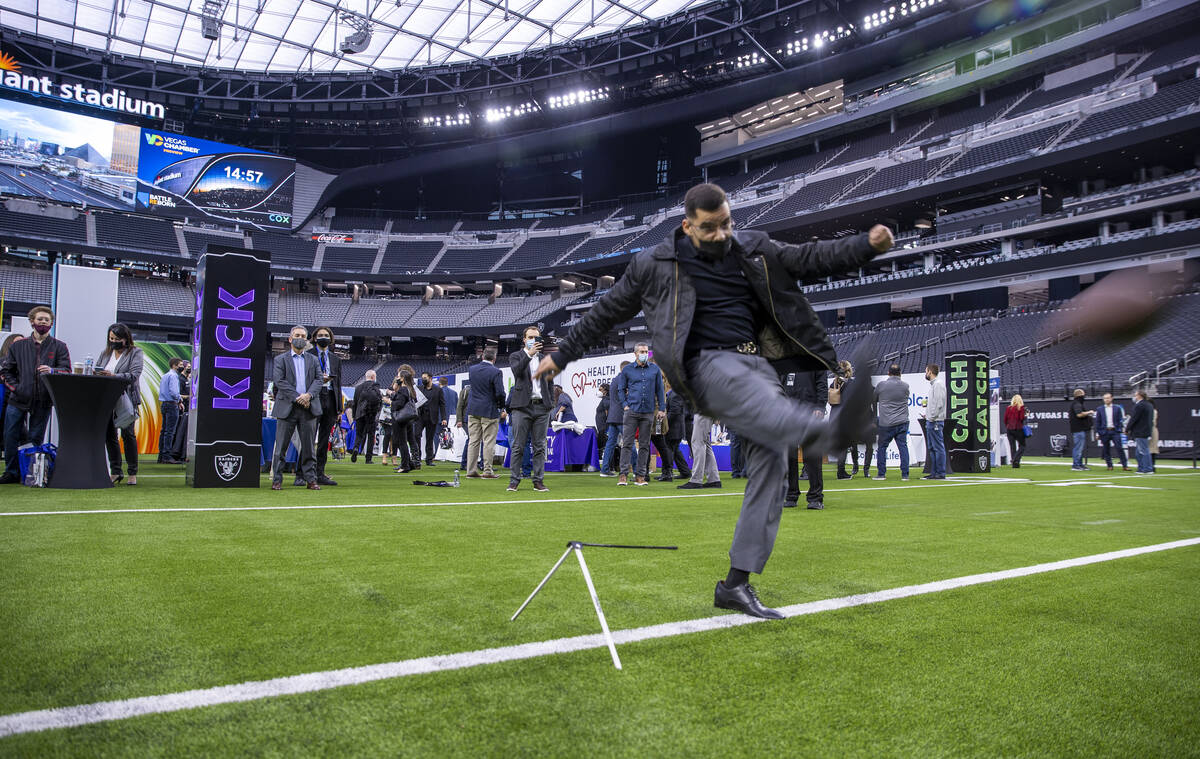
1120,308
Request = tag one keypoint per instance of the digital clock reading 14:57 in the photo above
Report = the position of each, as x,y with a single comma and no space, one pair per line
244,175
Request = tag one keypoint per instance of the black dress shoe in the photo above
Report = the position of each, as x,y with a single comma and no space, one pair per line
298,482
689,485
713,484
664,478
743,599
845,476
816,505
354,458
323,480
789,504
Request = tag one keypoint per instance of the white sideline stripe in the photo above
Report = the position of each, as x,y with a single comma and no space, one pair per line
1104,521
318,507
105,711
362,505
1159,465
989,513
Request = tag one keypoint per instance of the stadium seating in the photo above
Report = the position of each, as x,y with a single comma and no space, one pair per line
380,313
40,226
348,259
471,259
26,285
595,247
893,177
155,296
491,225
540,252
1001,151
811,196
197,241
1185,94
587,217
137,232
349,223
409,256
286,251
445,314
1042,98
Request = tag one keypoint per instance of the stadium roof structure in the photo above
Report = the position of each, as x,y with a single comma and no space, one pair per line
328,35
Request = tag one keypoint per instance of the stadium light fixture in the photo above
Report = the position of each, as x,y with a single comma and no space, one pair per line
360,40
887,15
503,112
456,119
748,60
816,41
210,19
577,97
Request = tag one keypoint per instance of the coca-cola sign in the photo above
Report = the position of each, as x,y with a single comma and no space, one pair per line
329,237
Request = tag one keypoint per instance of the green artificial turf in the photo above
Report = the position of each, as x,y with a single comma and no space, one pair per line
1094,660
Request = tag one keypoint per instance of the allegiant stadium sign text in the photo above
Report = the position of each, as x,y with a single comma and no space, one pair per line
113,100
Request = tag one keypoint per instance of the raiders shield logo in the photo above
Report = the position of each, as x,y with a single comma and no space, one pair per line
228,466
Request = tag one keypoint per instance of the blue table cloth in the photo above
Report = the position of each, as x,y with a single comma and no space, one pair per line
563,448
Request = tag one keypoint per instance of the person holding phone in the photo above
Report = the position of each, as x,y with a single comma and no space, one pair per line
530,404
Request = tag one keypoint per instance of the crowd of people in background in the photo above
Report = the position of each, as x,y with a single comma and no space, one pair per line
639,414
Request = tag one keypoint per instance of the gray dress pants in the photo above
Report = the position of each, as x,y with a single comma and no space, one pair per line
704,461
299,421
529,422
744,392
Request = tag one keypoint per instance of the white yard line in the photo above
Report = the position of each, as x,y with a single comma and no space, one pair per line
85,714
951,483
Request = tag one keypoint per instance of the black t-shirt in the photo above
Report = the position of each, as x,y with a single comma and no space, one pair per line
1078,424
727,311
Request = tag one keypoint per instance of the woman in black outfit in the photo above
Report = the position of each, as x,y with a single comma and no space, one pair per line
124,360
402,432
840,382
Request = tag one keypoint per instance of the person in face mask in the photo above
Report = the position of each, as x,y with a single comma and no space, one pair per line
330,396
121,358
641,395
430,417
720,305
529,403
29,402
298,378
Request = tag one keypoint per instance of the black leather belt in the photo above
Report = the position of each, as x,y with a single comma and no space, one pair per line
749,348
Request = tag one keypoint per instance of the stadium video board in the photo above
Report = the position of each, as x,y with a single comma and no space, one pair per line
187,176
71,158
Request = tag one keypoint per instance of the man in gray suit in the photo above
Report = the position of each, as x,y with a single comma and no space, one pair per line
295,409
